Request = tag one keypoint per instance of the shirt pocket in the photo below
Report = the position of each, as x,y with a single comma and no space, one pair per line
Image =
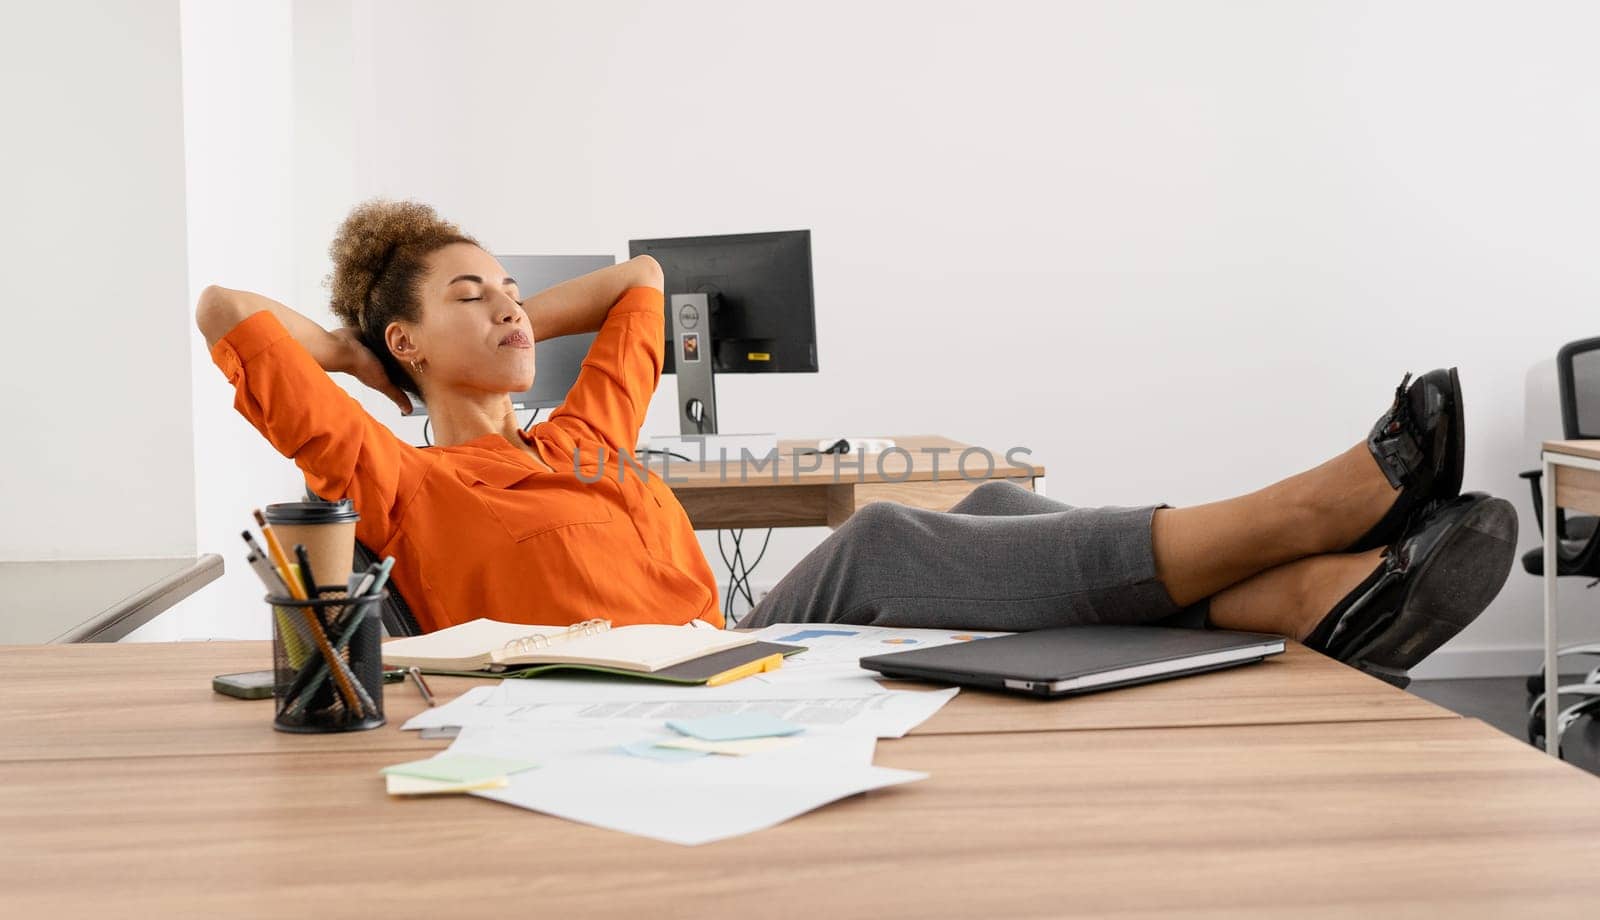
527,507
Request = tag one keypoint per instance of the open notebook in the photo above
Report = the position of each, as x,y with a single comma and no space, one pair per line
489,645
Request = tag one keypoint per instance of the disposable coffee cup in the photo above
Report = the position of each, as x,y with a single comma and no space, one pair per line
328,530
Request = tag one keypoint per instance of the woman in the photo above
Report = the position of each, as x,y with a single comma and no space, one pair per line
1371,557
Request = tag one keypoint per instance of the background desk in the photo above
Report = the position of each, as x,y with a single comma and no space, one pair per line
1571,480
94,600
791,494
123,793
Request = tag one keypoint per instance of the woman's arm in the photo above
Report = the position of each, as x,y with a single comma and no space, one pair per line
221,309
581,305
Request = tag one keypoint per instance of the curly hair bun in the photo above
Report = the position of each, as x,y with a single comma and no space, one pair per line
365,251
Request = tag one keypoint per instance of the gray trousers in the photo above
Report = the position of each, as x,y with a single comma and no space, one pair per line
1003,558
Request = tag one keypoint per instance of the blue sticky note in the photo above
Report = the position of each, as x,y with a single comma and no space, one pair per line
734,727
647,749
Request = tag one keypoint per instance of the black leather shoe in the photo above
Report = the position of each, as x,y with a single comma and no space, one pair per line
1432,582
1421,447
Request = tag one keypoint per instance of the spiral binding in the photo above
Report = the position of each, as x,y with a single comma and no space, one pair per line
537,641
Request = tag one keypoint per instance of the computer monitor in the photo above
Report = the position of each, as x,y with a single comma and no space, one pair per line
556,361
739,303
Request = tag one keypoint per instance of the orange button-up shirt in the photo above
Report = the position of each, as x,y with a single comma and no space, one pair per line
479,529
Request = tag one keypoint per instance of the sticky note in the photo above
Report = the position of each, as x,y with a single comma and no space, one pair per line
734,726
648,749
805,634
412,785
459,768
737,748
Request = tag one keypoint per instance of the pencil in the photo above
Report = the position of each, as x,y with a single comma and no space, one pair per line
346,690
279,559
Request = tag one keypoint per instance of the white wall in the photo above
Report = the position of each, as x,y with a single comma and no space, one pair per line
1177,249
238,145
95,370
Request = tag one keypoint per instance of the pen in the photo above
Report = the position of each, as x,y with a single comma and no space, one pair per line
250,541
279,574
360,583
422,685
275,588
267,574
305,569
384,568
282,583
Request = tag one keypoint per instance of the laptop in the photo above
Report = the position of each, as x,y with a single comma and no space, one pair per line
1078,659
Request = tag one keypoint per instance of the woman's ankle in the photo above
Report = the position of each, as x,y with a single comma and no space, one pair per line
1349,497
1327,581
1292,600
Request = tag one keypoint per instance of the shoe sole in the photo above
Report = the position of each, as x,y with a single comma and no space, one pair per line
1448,591
1451,484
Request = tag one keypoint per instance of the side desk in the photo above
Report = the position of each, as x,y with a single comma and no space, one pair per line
94,600
797,489
1571,480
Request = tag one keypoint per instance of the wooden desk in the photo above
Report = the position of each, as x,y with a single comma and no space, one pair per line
1571,480
796,490
1354,819
94,600
148,700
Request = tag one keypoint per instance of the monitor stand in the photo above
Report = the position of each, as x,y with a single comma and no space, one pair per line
692,354
693,357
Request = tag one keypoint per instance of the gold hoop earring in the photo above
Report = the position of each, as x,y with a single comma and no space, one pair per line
416,367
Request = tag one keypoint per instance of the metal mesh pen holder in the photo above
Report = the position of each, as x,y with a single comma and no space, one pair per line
310,695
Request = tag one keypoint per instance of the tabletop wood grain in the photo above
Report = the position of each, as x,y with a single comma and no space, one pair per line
1423,818
152,699
1588,448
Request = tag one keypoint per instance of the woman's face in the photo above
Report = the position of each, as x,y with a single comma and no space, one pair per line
473,332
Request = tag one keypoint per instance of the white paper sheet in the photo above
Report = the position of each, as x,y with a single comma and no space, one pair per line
833,650
586,779
540,744
465,709
880,713
468,708
584,689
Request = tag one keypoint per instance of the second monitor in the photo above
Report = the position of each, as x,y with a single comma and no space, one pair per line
557,361
739,303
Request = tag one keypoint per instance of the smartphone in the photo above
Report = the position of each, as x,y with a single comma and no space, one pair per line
248,685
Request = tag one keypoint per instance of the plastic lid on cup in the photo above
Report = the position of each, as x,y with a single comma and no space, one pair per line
342,511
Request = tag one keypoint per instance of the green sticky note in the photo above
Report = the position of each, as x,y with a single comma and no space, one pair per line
460,768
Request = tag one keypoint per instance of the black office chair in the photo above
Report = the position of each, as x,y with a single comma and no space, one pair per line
397,618
1577,536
